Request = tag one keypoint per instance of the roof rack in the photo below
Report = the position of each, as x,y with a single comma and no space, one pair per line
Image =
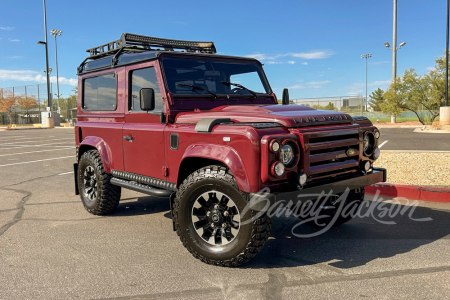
134,41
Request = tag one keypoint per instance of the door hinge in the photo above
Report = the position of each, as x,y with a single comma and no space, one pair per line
165,171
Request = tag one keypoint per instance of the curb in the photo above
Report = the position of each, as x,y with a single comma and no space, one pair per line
410,192
396,126
431,130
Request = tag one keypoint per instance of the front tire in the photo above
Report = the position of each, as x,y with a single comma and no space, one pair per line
209,216
98,195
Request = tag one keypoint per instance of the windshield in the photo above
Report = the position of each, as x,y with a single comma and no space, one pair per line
211,76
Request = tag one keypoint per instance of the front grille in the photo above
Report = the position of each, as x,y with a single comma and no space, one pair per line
327,153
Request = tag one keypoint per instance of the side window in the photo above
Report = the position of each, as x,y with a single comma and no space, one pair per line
100,93
144,78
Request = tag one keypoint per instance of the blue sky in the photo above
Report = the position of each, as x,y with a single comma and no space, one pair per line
312,47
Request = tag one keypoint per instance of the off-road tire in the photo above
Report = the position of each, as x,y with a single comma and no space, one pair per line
108,195
251,237
353,196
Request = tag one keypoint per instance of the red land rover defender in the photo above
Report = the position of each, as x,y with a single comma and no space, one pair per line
173,119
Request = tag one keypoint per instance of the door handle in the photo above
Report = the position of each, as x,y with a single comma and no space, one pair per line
128,138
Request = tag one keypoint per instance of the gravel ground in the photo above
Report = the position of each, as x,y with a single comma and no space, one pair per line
423,169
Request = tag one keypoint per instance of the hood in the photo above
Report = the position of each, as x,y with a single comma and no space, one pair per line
287,115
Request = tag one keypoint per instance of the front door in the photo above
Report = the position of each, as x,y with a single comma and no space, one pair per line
143,132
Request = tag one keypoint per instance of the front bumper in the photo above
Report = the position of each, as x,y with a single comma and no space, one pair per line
259,201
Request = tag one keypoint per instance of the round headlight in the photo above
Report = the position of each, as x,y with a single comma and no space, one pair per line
369,143
278,169
367,166
376,134
275,146
287,154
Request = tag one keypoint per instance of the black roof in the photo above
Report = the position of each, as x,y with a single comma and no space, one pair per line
126,58
132,48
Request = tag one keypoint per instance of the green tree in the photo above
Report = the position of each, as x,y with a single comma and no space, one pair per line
436,79
329,106
412,92
376,98
417,93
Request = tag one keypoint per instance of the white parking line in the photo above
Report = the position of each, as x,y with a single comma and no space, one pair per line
382,144
12,136
39,140
36,151
43,145
66,173
33,161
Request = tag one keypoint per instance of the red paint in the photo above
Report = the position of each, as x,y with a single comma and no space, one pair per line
287,115
246,154
410,192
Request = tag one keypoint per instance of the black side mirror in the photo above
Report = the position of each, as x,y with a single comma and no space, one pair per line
285,99
147,97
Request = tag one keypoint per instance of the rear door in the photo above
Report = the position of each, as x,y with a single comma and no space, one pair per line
143,132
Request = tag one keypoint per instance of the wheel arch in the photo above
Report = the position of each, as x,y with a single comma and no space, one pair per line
96,143
202,155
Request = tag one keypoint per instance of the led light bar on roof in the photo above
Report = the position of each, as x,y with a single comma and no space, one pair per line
146,42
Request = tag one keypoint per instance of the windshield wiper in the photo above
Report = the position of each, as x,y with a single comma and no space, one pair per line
239,86
196,87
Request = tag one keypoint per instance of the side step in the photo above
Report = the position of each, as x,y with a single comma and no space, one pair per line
132,185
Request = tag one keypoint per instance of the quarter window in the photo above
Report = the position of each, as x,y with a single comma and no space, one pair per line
100,93
144,78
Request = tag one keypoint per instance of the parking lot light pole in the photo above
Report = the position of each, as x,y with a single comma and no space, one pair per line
49,95
394,49
444,111
446,56
56,33
366,56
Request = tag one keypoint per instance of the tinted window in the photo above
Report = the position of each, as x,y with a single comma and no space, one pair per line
144,78
100,93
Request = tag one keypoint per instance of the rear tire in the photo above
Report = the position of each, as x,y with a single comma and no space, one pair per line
218,238
98,195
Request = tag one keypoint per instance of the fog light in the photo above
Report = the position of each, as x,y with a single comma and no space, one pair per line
278,169
376,134
275,146
376,153
302,179
367,166
352,152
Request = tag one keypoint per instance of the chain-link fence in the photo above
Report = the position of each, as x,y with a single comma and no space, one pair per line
357,106
21,115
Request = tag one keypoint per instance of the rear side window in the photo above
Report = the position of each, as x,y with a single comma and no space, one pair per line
144,78
100,92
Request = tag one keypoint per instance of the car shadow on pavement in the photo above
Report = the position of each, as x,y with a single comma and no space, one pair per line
353,244
141,206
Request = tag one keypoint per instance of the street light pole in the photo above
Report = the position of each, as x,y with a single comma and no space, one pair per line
394,49
56,33
446,57
366,56
394,44
49,95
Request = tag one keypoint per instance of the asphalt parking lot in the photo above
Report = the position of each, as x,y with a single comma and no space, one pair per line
51,248
407,139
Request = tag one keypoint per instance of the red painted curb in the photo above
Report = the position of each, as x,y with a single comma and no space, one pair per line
410,192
